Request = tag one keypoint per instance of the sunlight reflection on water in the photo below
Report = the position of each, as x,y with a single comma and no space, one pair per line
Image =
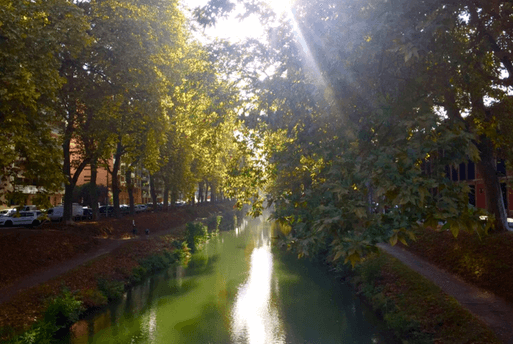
255,317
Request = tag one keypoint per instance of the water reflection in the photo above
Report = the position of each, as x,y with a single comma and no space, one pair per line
240,229
235,291
255,317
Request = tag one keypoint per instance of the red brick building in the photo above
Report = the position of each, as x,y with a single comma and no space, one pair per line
469,173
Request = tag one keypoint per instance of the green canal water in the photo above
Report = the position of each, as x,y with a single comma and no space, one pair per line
237,290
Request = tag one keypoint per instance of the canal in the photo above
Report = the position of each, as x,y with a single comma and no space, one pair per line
237,290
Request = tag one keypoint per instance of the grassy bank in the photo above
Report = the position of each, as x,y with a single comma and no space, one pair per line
55,305
41,314
414,308
485,262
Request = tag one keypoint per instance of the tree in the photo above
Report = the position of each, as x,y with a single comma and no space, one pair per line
137,45
34,35
357,92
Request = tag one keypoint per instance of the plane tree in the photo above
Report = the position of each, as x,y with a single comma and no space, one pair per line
35,35
375,100
363,171
137,45
204,119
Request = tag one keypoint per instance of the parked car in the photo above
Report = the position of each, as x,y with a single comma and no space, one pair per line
139,208
7,212
23,218
25,207
106,210
124,209
87,213
57,213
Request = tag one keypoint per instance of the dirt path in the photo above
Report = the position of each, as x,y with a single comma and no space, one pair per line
107,246
47,274
492,310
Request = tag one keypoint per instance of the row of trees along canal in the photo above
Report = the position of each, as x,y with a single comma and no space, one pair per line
368,103
84,82
350,113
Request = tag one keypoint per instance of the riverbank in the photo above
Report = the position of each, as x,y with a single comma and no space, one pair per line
127,262
418,310
413,307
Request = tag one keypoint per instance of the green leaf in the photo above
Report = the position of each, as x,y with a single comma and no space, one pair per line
393,239
455,228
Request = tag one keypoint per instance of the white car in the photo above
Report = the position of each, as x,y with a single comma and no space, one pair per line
23,218
139,208
7,212
56,213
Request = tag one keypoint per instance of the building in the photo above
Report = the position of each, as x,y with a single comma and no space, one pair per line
467,172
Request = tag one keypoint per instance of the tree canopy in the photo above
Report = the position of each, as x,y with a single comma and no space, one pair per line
375,101
345,120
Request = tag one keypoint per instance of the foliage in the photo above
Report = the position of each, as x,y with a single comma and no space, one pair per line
345,120
113,84
368,106
41,332
157,263
181,253
34,34
196,234
111,289
82,193
92,298
213,223
62,311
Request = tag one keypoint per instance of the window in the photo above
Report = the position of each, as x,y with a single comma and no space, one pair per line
454,174
463,171
471,170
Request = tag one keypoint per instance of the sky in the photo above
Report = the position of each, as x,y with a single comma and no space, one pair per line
231,29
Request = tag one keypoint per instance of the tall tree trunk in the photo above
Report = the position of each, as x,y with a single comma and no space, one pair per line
130,189
488,170
200,192
115,180
213,195
153,192
67,214
68,188
94,190
72,180
174,197
166,197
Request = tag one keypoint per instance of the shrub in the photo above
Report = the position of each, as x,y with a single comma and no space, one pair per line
138,273
228,221
370,270
155,263
112,289
41,332
196,234
183,253
63,311
213,223
93,298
